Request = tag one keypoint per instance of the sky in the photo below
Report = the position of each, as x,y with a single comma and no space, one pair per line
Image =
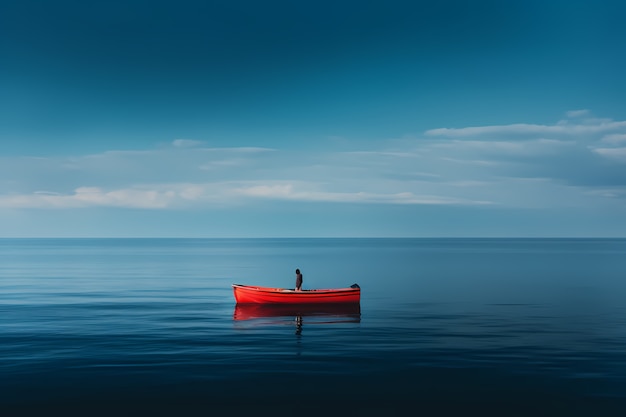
312,119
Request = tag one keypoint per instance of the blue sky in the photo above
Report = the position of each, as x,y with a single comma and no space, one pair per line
283,118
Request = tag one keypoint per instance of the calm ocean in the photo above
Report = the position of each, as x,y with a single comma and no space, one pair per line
509,327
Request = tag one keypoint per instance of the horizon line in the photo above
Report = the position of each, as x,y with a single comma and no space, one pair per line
309,237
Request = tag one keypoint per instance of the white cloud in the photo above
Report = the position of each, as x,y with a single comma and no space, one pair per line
186,143
91,197
267,191
527,147
163,196
192,192
454,169
288,192
609,192
577,113
477,162
529,129
618,154
566,153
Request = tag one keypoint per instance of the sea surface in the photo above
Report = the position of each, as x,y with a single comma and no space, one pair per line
508,327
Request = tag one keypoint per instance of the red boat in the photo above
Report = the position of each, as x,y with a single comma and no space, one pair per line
245,294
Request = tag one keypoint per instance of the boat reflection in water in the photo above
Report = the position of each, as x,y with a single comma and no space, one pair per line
314,313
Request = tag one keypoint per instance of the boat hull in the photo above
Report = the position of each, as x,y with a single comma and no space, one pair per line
247,294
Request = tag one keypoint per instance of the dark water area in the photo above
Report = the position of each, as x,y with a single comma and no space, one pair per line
516,327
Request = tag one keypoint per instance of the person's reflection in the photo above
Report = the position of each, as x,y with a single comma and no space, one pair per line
298,325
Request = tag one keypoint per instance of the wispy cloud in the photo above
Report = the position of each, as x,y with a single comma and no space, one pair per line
528,129
609,192
528,147
577,113
186,143
618,154
90,197
577,125
468,167
289,192
583,152
199,195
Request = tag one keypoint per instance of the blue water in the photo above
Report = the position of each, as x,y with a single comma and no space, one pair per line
445,327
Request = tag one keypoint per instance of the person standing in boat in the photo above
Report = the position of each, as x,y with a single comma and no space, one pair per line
298,280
